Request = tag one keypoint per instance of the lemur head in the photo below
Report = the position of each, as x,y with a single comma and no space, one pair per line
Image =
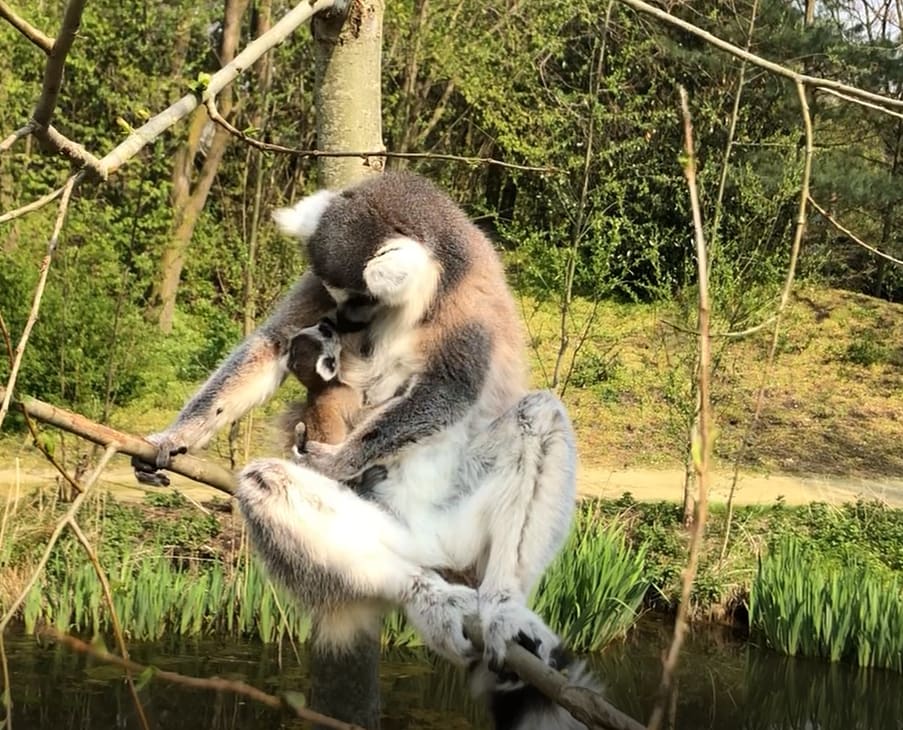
392,241
314,355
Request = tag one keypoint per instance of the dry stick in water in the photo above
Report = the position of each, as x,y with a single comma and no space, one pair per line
702,447
214,684
114,617
785,298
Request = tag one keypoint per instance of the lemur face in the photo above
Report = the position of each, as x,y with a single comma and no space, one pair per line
314,354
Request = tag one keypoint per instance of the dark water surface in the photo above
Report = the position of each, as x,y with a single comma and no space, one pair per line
723,684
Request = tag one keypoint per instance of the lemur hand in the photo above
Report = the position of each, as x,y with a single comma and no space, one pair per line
167,447
323,458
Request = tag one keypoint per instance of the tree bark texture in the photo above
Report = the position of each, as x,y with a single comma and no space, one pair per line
347,96
349,118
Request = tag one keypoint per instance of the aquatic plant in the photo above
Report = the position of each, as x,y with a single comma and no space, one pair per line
836,607
592,593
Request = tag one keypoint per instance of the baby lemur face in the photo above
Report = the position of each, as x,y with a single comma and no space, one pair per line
314,355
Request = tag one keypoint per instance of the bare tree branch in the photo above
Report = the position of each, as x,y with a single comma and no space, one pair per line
56,63
702,447
776,68
192,467
16,136
34,205
853,237
158,124
218,118
215,684
785,297
38,295
55,535
36,36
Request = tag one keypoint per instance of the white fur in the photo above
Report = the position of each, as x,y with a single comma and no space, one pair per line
510,523
302,219
403,273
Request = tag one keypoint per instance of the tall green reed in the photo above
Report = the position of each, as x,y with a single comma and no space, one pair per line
833,607
592,593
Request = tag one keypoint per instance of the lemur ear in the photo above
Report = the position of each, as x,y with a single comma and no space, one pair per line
327,367
302,219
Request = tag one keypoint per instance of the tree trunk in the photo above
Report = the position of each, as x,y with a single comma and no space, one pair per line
188,196
349,119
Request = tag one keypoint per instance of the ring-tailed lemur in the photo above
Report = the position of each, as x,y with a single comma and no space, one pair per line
480,473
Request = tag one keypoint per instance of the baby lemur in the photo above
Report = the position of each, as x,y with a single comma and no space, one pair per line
331,407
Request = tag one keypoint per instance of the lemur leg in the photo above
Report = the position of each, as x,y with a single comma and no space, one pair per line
529,497
331,548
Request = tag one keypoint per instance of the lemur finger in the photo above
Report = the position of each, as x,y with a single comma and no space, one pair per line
300,437
147,473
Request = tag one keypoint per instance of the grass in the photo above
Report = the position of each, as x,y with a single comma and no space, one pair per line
189,574
803,602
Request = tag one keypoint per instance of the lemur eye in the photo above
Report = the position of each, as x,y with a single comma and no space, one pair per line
326,328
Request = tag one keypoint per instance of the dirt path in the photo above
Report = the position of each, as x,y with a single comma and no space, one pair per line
643,484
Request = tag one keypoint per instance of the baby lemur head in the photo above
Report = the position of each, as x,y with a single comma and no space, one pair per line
314,355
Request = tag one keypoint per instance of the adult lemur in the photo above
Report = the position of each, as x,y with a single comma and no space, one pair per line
480,473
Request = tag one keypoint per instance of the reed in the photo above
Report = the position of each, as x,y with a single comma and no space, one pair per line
837,607
593,591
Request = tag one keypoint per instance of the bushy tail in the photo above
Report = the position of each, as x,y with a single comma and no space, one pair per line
515,705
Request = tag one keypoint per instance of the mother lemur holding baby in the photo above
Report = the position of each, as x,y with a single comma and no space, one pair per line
474,473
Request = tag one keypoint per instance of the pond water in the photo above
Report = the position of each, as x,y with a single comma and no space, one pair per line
723,684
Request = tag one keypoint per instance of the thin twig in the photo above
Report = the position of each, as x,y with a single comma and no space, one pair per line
36,36
812,81
192,467
852,236
114,617
38,294
72,149
214,684
785,298
33,205
703,446
55,535
862,102
218,118
16,136
730,333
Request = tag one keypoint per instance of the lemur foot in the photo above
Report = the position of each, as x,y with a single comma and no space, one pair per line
505,618
438,611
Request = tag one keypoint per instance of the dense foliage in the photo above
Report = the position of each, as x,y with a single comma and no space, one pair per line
587,91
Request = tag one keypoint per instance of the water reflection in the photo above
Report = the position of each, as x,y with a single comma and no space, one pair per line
723,684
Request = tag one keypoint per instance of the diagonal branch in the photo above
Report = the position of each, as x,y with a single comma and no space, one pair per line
56,63
158,124
192,467
852,236
776,68
36,36
38,294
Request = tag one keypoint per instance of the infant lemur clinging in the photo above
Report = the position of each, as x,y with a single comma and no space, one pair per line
331,407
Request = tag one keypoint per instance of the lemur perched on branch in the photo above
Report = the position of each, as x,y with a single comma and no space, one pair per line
479,472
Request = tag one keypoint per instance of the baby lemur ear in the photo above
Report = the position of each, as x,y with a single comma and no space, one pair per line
302,219
327,367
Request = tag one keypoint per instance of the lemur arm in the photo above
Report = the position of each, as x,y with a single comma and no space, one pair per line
450,384
247,378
